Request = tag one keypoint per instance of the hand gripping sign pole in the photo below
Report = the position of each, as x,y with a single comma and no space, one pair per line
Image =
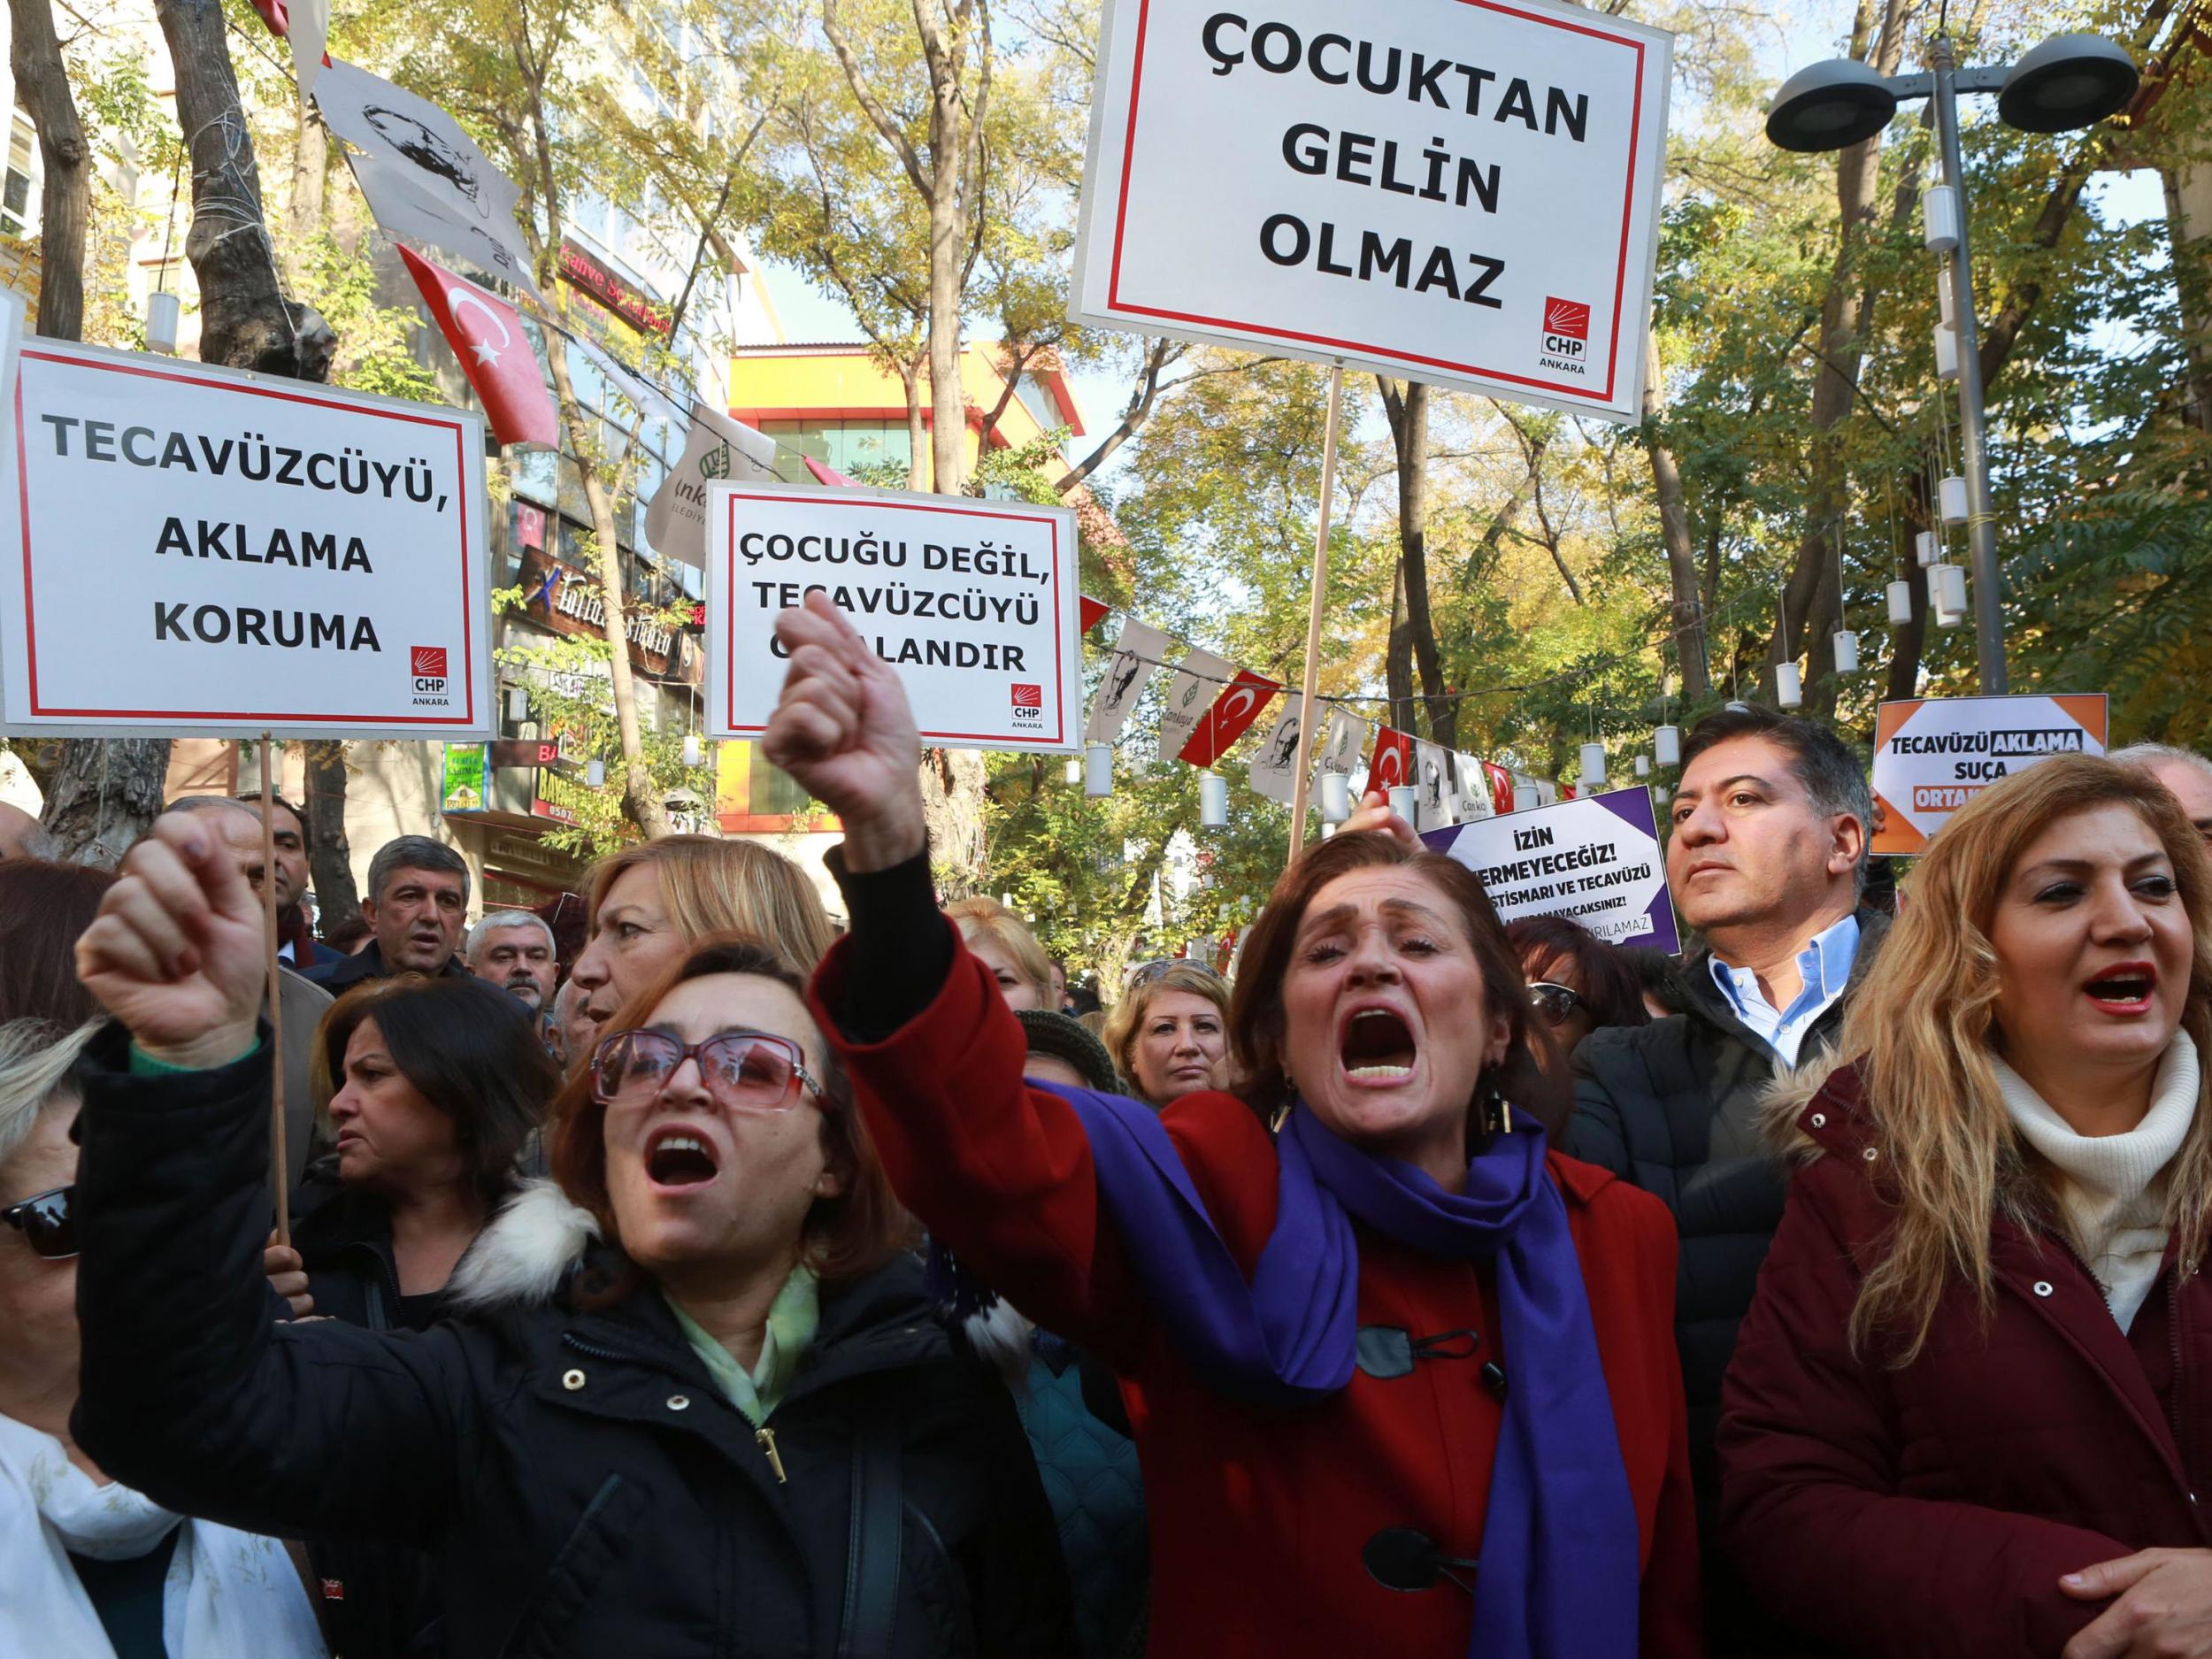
1307,686
281,1162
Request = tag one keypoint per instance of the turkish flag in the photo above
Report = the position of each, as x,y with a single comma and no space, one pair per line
1393,763
1235,709
824,473
1500,786
1089,610
495,355
273,13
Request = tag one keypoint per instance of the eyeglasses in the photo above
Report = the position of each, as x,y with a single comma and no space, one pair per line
1144,974
749,1071
45,1223
1556,1003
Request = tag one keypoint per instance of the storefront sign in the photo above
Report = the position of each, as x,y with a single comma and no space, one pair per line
1595,860
569,601
627,299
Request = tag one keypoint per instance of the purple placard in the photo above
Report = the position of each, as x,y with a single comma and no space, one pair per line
1595,859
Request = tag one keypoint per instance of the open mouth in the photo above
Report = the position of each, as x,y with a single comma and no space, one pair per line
677,1157
2124,989
1378,1046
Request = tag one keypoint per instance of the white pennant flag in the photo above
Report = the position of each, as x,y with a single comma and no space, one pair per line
719,447
640,394
1432,786
1346,742
1137,658
405,215
1274,768
1471,790
307,29
1195,686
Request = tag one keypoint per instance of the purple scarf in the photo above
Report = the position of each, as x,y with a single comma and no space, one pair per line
1558,1577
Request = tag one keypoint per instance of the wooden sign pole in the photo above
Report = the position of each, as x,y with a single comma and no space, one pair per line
281,1162
1313,621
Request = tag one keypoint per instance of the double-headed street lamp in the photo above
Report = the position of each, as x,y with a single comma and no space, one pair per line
2068,82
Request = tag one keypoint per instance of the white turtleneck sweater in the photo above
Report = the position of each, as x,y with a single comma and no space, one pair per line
2114,1186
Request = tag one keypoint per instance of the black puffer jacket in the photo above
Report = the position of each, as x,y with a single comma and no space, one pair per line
583,1485
1674,1108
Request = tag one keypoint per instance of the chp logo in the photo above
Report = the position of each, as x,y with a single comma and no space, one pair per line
427,665
1029,704
1566,339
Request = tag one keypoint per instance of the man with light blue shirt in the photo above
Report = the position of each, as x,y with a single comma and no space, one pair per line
1765,858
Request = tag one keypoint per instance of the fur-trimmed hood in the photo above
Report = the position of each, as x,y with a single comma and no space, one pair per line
524,1256
1782,1107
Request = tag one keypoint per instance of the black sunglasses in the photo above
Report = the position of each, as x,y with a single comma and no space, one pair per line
45,1223
1555,1002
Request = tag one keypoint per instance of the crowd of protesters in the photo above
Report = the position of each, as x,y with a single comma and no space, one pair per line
765,1284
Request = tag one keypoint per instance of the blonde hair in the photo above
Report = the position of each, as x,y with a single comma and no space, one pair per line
1120,1035
1010,934
36,1057
1922,1024
712,886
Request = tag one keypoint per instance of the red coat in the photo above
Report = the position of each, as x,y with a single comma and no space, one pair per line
1259,1515
1932,1510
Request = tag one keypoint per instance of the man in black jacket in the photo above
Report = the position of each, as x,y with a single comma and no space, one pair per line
417,906
1766,860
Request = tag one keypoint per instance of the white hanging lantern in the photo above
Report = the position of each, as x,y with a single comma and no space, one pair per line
1666,745
1098,777
163,310
1789,689
1643,765
1847,651
1593,764
1327,829
1659,795
518,704
1947,588
1952,493
596,773
1075,769
1900,604
1928,547
1525,796
1947,352
1213,801
1405,801
1940,218
695,753
1336,797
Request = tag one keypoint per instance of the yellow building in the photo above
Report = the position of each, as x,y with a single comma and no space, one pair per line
836,404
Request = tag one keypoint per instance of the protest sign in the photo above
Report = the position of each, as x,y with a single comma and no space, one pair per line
206,550
1459,191
1932,754
973,602
1595,860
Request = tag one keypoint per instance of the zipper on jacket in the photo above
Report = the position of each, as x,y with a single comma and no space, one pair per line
766,1439
569,1338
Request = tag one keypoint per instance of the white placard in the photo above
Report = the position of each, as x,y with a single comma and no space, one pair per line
974,602
202,549
1933,755
1595,859
1460,191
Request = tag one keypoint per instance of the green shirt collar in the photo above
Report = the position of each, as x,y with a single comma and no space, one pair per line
793,1319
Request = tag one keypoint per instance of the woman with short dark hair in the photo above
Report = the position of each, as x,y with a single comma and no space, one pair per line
1577,982
694,1401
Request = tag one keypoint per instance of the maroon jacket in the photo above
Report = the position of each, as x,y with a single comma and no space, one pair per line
1932,1509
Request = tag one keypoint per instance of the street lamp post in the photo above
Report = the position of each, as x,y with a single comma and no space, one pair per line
2068,82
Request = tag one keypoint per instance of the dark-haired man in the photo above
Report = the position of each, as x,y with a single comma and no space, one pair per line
417,906
1765,859
296,944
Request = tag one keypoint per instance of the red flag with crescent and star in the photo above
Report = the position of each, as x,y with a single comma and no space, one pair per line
1393,763
1235,709
486,336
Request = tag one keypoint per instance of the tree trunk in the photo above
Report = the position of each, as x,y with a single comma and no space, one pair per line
1408,410
952,810
2195,296
1674,529
916,428
330,857
641,795
42,83
1398,654
103,795
245,320
310,162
